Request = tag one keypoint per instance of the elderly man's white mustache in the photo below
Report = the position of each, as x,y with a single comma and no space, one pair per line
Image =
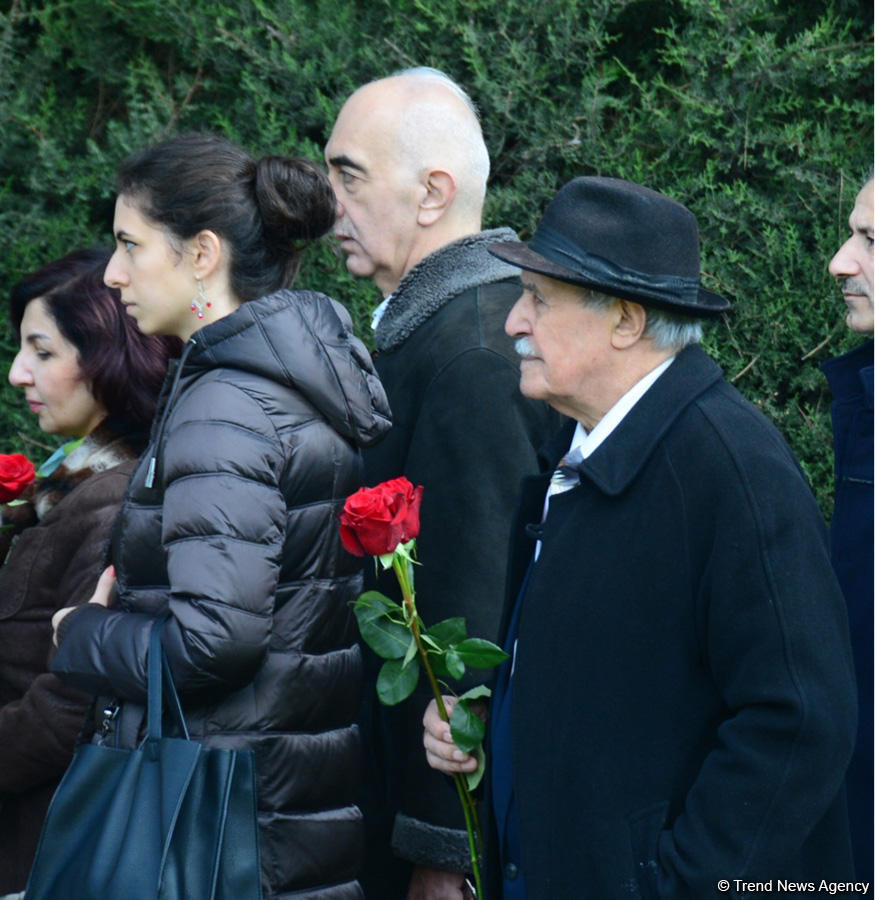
524,347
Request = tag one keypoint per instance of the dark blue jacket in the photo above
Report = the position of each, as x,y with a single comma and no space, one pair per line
851,544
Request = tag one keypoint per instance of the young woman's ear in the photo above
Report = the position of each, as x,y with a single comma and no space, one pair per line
207,250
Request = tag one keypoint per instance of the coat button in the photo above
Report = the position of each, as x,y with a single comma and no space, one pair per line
511,871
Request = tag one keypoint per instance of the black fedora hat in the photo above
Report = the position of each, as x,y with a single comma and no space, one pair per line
622,239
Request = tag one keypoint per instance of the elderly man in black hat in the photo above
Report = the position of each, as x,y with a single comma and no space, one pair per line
679,708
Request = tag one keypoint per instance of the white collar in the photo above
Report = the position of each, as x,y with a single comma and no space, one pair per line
377,314
585,444
589,442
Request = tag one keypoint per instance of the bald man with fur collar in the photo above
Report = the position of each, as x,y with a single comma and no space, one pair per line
409,166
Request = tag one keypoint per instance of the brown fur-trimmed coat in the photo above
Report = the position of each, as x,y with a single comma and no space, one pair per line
55,554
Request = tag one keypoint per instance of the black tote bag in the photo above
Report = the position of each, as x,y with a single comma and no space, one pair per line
169,820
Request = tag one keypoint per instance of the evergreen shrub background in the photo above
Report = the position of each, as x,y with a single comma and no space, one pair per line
757,114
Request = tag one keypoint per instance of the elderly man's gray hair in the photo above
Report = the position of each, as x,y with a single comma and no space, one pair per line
667,330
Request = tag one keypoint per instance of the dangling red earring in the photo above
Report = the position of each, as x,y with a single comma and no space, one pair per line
199,303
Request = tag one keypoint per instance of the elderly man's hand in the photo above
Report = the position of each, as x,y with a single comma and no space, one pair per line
436,884
440,751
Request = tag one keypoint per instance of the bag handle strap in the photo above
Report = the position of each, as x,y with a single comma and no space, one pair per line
173,697
160,676
153,710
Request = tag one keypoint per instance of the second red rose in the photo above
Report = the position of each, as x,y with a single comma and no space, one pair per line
16,473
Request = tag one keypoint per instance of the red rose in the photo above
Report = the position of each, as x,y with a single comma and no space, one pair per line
375,520
16,473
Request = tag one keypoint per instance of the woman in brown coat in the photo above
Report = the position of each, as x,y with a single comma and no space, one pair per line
88,374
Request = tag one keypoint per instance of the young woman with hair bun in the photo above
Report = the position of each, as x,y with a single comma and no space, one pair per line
230,521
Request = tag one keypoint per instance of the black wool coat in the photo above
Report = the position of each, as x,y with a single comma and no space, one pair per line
254,451
461,429
683,703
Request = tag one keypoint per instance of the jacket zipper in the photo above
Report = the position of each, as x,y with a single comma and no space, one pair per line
159,435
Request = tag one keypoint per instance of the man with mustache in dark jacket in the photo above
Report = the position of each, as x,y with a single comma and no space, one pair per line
851,531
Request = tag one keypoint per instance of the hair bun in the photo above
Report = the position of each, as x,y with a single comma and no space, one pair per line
267,211
295,199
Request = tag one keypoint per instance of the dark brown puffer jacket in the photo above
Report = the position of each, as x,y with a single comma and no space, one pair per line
254,450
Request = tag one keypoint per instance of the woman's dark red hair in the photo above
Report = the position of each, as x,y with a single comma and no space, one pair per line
123,368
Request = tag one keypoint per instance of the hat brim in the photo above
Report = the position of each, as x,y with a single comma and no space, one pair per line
519,254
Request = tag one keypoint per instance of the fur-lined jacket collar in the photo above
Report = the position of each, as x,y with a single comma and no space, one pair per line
105,448
438,278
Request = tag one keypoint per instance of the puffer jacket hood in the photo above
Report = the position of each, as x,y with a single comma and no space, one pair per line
331,369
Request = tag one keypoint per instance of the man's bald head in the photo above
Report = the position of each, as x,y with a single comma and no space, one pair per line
438,128
409,167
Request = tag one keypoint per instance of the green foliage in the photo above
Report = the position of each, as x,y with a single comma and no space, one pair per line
396,682
396,633
388,638
391,630
754,113
467,727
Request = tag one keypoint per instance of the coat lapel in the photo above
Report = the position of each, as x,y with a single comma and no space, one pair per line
616,463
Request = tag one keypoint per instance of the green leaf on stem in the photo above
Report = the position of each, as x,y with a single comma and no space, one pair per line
396,682
480,692
454,663
376,600
476,693
438,666
480,654
466,727
407,551
387,638
430,644
474,778
411,652
450,631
